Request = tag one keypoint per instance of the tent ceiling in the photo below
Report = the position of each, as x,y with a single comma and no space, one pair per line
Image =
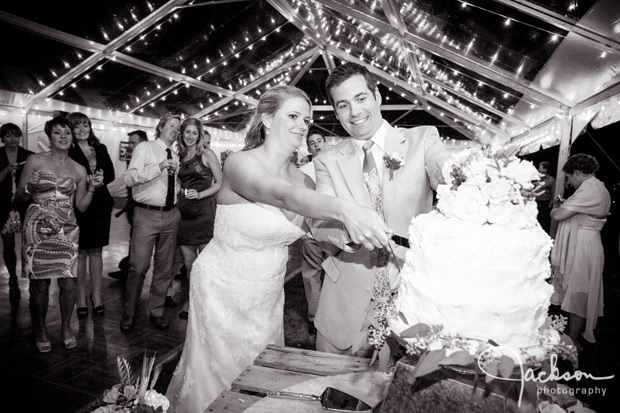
483,69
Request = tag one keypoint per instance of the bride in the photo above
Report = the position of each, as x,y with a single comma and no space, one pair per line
236,290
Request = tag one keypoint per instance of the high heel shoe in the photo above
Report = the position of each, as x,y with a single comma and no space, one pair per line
70,343
82,313
100,309
44,346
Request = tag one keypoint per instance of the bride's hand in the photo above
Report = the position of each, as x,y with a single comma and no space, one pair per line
366,227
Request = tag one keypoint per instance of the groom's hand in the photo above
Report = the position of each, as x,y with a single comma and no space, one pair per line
367,228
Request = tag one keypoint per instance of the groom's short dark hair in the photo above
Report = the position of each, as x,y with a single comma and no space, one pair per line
344,72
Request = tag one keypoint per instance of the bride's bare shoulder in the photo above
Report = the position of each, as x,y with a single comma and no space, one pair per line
242,160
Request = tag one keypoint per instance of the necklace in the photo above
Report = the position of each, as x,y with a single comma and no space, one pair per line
59,162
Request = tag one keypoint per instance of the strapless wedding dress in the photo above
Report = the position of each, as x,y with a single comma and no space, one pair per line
236,302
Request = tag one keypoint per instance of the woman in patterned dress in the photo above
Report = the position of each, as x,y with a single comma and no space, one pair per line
50,232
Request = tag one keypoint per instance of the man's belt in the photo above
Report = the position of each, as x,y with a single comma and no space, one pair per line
402,241
153,207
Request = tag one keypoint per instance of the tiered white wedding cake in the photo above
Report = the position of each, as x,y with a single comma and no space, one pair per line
477,264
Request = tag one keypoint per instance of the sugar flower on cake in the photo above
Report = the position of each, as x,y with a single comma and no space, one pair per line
478,170
498,191
467,203
520,172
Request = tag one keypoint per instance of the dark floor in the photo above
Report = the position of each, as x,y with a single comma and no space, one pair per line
68,380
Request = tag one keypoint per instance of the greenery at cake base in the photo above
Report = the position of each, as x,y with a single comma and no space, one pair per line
487,361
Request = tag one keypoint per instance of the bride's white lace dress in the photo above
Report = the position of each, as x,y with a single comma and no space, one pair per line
236,302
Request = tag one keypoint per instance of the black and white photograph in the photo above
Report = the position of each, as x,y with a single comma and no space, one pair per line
275,206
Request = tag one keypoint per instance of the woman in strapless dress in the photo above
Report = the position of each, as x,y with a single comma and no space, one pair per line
50,232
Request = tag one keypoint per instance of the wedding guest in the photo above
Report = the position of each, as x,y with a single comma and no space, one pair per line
316,144
50,235
135,137
206,141
312,256
237,282
351,300
578,257
545,189
175,284
152,175
200,176
94,223
12,159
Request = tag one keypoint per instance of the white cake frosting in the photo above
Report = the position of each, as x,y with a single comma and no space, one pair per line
477,264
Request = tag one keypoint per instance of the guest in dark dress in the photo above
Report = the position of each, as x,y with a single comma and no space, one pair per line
94,222
12,159
200,175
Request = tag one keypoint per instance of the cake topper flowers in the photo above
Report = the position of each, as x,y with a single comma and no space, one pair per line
489,186
393,162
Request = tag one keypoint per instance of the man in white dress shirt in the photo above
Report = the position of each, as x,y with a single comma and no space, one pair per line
151,175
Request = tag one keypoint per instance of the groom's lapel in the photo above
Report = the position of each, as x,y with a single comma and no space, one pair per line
395,142
351,169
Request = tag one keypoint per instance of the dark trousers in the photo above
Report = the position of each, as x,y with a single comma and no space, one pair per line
154,234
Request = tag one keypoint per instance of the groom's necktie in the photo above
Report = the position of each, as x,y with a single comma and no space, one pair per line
171,178
371,178
369,160
381,286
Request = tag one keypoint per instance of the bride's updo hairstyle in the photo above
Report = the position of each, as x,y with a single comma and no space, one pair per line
268,104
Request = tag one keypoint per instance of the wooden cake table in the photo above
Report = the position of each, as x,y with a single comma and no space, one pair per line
304,371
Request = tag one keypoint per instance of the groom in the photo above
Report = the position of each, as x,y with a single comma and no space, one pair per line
348,296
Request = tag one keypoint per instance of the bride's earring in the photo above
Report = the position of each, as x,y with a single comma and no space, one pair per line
267,130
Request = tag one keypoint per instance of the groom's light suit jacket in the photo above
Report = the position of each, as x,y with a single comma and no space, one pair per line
347,288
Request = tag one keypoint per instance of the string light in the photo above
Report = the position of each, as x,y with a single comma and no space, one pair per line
383,52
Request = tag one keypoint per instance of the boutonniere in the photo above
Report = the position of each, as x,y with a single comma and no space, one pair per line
393,162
